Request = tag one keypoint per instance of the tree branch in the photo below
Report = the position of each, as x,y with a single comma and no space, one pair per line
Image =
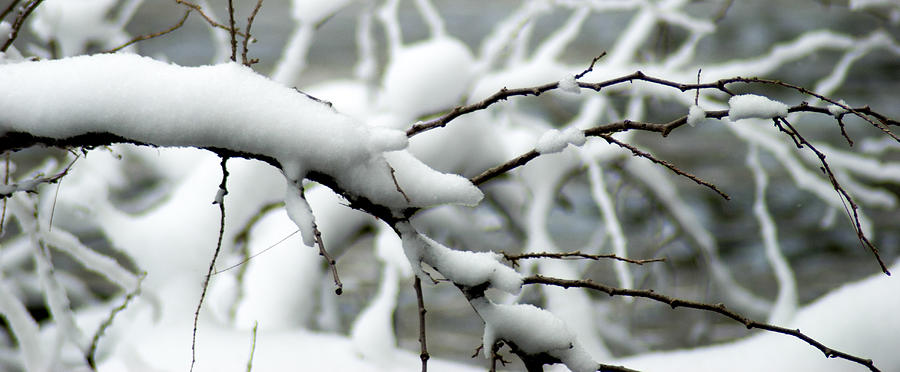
716,308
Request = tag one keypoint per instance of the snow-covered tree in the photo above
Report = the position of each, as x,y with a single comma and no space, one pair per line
549,179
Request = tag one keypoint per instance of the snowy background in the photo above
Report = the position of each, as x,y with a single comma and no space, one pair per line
782,250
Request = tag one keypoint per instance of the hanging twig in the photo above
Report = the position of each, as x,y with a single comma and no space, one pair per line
220,200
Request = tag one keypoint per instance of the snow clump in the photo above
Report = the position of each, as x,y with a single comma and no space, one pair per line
569,85
695,115
554,140
748,106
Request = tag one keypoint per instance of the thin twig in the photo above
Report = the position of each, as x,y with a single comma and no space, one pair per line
223,190
591,67
153,35
231,31
423,353
853,210
324,253
514,258
672,167
716,308
244,48
208,19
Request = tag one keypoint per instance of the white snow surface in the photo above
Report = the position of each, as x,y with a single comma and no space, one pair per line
748,106
461,267
555,140
569,85
223,106
837,110
533,330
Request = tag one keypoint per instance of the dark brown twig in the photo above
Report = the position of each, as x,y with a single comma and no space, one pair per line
324,253
244,60
672,167
514,258
220,200
591,67
209,19
420,301
716,308
153,35
232,31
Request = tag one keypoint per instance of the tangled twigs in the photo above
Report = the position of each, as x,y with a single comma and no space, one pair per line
672,167
853,211
514,258
716,308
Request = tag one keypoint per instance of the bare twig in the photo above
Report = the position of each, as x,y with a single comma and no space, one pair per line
223,190
716,308
209,19
672,167
514,258
324,253
591,67
423,353
232,30
244,60
153,35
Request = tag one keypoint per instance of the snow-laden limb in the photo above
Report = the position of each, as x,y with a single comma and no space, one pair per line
786,301
531,331
140,100
748,106
34,356
467,269
554,140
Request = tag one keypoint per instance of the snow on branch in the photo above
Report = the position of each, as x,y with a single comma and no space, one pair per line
127,98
